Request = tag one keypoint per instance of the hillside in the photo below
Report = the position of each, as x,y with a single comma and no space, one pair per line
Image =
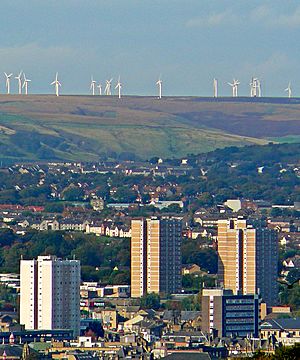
43,127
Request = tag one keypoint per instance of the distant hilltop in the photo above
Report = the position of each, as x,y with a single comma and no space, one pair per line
86,128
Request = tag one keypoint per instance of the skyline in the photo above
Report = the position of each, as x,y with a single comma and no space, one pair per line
21,82
141,41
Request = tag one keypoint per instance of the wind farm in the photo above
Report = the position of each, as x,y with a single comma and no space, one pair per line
107,119
117,90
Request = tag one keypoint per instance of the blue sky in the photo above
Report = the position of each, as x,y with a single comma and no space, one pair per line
189,42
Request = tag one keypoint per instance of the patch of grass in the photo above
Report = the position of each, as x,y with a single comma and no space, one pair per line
84,128
290,139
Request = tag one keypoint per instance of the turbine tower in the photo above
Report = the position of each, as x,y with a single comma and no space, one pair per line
258,88
107,89
159,84
255,88
19,78
252,88
56,84
25,84
215,86
119,87
100,88
93,85
289,90
7,84
234,85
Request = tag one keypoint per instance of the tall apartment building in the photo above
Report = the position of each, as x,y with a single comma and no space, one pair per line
248,259
225,314
50,294
155,256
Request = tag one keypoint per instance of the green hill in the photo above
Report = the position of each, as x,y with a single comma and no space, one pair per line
44,127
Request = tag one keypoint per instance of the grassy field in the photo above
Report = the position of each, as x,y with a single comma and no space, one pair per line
84,127
289,139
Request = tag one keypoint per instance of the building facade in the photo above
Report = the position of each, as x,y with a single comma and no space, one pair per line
248,259
155,256
50,294
225,314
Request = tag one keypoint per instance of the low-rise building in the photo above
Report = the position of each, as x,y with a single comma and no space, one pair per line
283,331
226,315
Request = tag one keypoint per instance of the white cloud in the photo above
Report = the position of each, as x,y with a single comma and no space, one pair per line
26,54
276,63
290,20
267,16
40,63
211,20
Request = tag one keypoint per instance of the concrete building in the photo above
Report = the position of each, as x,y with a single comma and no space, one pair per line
284,331
50,294
248,259
234,204
225,314
155,256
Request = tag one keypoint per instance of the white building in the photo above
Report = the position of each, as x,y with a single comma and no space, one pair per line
234,204
50,294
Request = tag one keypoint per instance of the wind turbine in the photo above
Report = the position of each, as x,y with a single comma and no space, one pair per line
107,89
234,85
56,84
119,87
252,89
8,82
258,87
93,84
255,88
289,90
215,86
100,88
25,84
19,78
159,84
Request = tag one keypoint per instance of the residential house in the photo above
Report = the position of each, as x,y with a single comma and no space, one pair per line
190,269
108,317
97,204
71,225
46,224
283,331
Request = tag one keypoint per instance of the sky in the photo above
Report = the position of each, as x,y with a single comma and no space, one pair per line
187,42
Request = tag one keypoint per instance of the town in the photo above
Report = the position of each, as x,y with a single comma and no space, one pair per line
196,256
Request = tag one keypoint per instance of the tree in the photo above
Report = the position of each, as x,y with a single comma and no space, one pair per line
173,208
187,281
7,237
291,296
293,276
73,193
54,207
287,353
150,301
125,195
205,199
119,278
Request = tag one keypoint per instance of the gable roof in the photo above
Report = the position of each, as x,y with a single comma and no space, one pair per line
188,355
281,324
